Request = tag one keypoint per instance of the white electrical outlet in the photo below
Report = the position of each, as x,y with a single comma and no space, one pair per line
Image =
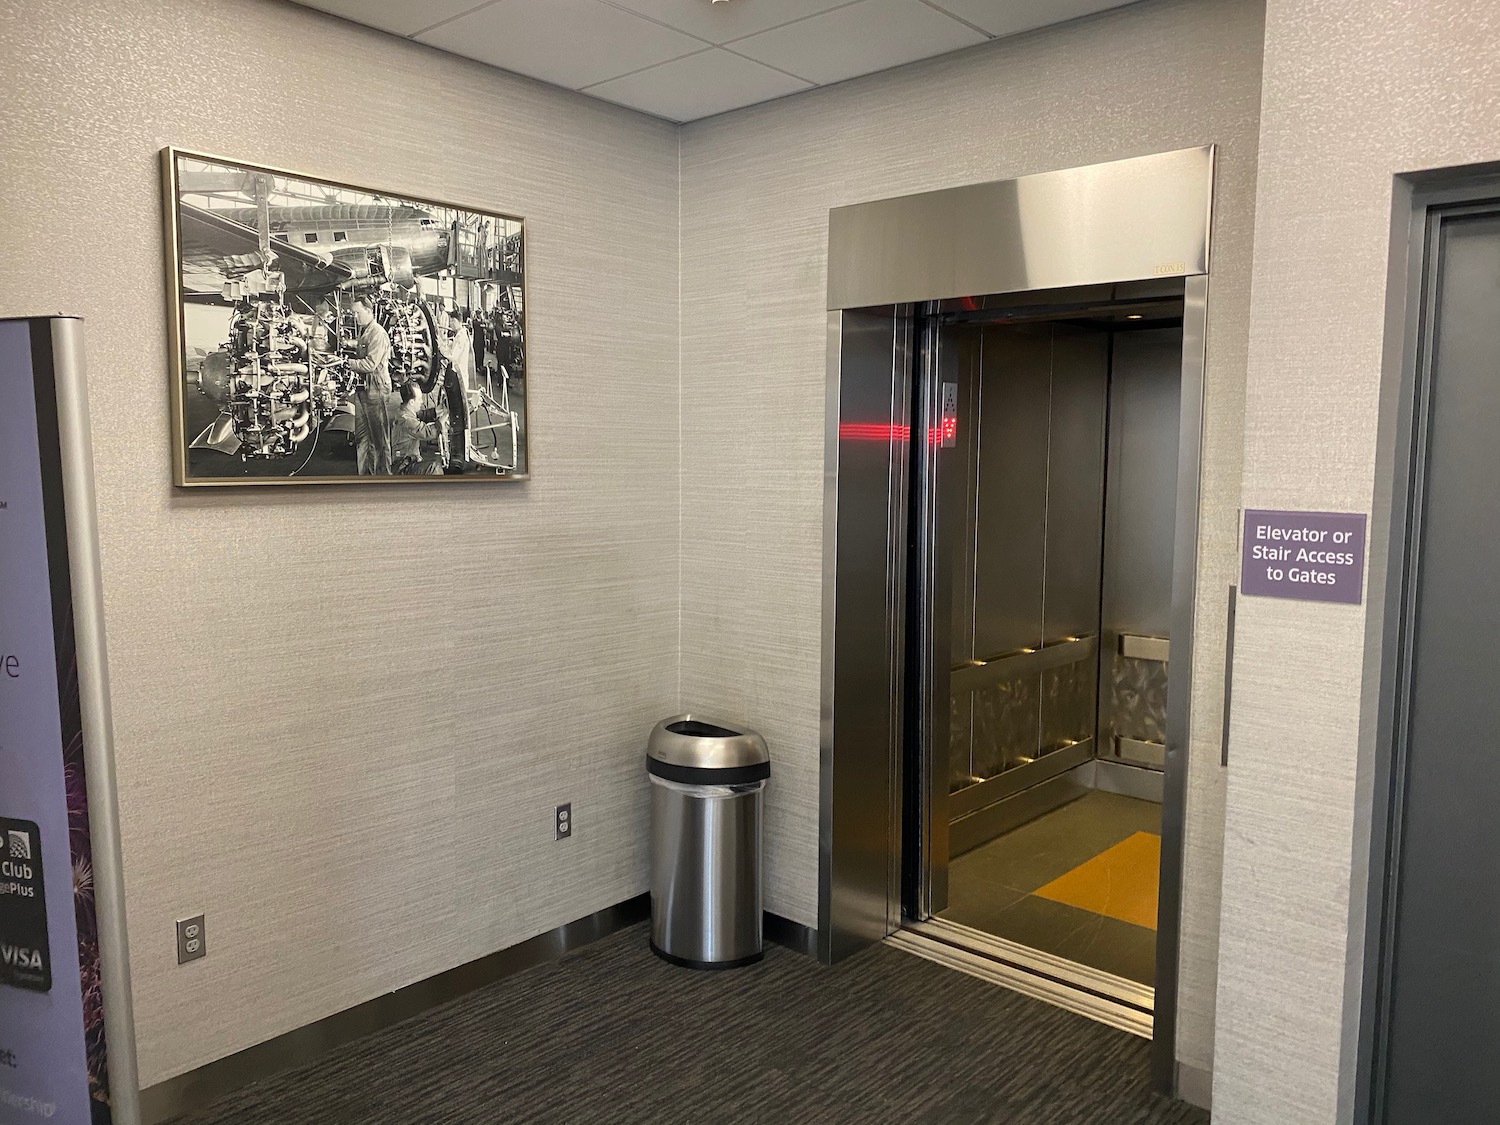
192,941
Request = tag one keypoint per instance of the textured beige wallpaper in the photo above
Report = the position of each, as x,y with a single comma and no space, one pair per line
344,715
756,189
1356,91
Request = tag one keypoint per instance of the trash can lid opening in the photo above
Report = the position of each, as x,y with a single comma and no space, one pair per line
702,730
699,743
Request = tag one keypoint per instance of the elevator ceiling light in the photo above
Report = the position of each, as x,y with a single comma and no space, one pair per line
1134,316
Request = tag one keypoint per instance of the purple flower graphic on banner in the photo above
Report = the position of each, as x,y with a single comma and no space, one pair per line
84,907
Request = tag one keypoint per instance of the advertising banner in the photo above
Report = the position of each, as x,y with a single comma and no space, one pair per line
52,1048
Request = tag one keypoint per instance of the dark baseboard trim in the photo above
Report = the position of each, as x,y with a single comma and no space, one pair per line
793,935
199,1088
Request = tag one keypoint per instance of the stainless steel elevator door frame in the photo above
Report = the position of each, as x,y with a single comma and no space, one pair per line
864,608
1125,220
864,631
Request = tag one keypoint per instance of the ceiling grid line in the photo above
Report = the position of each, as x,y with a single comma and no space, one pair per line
939,8
450,19
706,49
728,49
625,7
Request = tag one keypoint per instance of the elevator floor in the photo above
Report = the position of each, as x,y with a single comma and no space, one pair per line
1080,883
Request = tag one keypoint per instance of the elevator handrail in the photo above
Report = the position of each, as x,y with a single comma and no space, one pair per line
972,675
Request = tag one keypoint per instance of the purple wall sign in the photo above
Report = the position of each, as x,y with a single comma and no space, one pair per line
52,1050
1310,556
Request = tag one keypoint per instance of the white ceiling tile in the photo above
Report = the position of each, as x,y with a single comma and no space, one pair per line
571,43
404,17
700,85
1009,17
860,39
719,23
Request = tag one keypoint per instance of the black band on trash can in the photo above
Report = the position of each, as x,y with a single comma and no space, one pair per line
689,963
700,775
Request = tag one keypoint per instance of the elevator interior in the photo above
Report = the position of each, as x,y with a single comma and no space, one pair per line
1054,493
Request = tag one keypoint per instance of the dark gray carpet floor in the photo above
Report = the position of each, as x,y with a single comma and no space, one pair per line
613,1035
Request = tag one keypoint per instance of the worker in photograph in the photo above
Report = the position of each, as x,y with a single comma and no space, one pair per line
416,435
373,407
457,346
460,381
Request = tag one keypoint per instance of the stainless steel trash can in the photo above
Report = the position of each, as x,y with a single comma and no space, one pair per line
707,781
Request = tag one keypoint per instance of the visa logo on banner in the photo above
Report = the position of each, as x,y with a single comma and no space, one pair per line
17,958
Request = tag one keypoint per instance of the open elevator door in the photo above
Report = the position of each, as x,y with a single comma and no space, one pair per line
1043,530
1045,525
890,262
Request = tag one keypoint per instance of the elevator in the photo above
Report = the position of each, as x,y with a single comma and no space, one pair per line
1011,513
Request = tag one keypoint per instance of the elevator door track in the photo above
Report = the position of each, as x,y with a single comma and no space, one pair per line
1100,996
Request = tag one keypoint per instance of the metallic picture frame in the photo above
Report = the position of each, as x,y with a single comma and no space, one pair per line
177,303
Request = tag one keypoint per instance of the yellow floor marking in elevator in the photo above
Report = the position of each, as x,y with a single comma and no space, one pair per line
1118,883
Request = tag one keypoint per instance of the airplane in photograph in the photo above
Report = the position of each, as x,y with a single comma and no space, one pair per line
313,247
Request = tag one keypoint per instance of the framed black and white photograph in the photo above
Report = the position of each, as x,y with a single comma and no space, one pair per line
330,334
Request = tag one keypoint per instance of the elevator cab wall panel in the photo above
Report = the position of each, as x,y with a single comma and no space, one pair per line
1011,507
1145,401
1075,527
1075,483
1139,529
1029,474
1009,542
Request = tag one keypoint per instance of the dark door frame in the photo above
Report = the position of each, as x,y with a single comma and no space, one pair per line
1422,203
